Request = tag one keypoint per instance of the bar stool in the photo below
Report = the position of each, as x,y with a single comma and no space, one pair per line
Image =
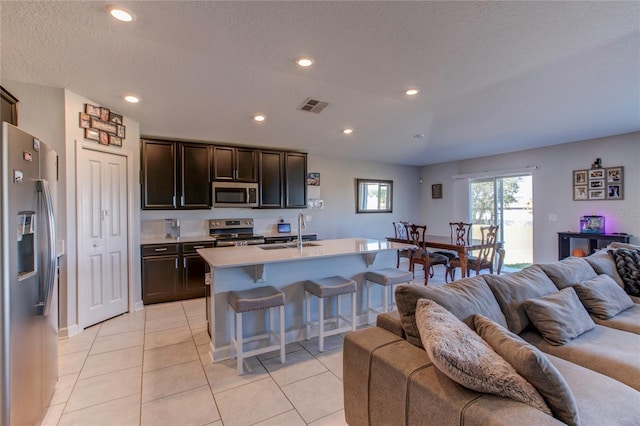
387,278
328,287
261,298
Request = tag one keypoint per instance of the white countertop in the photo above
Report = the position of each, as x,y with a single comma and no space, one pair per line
164,240
227,257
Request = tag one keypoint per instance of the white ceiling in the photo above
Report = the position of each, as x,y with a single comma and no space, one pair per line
494,76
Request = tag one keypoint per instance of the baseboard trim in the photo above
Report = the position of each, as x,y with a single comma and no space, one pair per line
138,306
69,331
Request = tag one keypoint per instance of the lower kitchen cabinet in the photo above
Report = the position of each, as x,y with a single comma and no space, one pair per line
172,272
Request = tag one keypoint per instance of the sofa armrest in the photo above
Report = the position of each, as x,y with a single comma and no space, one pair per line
390,321
389,381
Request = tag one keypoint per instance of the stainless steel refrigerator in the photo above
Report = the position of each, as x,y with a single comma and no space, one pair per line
28,297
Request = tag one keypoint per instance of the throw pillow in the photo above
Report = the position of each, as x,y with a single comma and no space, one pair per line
463,298
603,297
467,359
511,290
602,262
568,272
534,366
628,265
559,317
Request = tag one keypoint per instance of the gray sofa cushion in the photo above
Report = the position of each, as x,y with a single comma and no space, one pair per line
568,272
463,298
534,366
602,297
601,400
611,352
627,320
602,262
559,317
467,359
511,290
628,264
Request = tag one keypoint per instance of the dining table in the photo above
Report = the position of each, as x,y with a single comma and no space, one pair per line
444,243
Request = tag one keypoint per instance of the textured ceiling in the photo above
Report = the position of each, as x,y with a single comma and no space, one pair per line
494,76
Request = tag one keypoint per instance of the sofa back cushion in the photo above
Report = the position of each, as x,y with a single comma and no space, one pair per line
534,366
568,272
602,297
465,358
463,298
602,262
559,317
511,290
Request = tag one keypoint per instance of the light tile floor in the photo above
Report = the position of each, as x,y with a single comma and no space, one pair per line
152,368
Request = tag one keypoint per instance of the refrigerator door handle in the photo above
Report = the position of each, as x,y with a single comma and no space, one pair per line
43,186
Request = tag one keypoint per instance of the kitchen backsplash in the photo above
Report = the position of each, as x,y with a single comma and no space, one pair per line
195,223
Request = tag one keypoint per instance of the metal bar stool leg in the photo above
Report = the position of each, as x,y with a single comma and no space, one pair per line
239,343
321,323
282,336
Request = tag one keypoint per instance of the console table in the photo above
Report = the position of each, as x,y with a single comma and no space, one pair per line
564,241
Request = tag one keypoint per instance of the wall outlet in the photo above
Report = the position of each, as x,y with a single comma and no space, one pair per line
307,218
553,217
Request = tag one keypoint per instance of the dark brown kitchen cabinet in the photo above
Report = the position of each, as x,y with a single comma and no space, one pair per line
175,175
159,176
283,179
234,164
271,174
160,273
295,175
195,176
173,272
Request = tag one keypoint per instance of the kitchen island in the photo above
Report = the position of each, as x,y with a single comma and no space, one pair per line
287,266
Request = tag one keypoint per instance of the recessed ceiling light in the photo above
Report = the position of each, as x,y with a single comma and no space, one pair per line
347,131
304,61
259,118
121,14
412,92
132,99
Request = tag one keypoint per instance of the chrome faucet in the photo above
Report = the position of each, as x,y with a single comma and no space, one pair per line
301,225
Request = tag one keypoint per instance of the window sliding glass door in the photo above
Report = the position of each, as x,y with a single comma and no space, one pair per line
506,201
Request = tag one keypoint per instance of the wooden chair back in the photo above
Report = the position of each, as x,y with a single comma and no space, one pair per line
488,249
460,233
417,236
400,230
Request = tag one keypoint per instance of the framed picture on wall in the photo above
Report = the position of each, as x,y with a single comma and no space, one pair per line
598,184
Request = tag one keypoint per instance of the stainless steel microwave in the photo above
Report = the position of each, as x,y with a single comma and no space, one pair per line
235,194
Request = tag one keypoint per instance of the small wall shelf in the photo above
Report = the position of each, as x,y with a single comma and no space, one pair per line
564,241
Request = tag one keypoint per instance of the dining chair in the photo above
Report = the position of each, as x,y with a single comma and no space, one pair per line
485,257
400,229
421,255
460,236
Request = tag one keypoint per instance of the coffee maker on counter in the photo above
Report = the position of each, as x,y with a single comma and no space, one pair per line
172,227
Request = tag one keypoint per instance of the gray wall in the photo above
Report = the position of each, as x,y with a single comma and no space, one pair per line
552,189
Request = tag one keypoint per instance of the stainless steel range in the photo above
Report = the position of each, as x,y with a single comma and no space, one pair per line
234,232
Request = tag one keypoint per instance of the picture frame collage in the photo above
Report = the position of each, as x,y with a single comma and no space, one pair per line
102,125
598,184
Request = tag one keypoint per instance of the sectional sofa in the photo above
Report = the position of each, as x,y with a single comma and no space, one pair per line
562,326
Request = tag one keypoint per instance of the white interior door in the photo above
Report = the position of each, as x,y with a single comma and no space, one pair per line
102,249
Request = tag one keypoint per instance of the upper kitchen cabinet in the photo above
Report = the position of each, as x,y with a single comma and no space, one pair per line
175,175
283,179
271,171
159,177
295,174
234,164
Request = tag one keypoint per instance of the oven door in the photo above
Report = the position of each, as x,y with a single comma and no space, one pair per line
231,194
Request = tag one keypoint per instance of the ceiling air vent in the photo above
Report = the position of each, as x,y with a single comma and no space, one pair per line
313,105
